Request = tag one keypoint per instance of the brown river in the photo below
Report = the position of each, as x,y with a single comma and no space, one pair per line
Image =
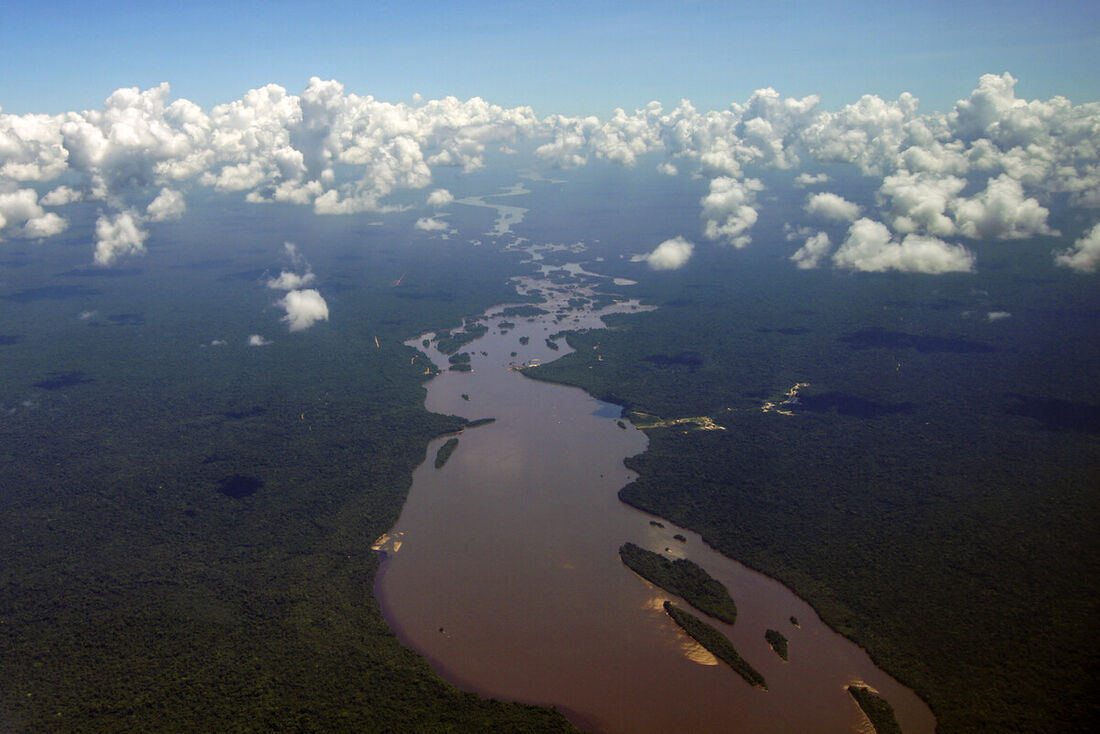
503,569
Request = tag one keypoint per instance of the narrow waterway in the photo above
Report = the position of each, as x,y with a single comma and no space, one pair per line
503,569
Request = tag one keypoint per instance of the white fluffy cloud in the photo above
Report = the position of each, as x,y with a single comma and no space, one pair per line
343,153
869,247
21,216
255,340
920,202
61,196
808,179
833,207
167,206
119,235
303,308
288,281
440,198
1084,256
728,210
431,224
813,252
669,255
1002,212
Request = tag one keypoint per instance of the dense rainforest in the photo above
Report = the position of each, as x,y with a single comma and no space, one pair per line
186,521
931,491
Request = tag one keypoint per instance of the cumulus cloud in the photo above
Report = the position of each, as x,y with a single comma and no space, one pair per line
997,315
342,153
728,210
1084,256
869,247
1001,211
803,180
431,224
22,216
303,308
669,255
288,281
920,202
119,235
255,340
167,206
813,252
61,196
440,198
831,206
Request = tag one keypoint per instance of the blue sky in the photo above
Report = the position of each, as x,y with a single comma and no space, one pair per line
565,57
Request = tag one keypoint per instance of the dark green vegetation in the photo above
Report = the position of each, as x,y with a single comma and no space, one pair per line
480,422
878,711
716,643
524,340
450,343
684,578
552,344
445,452
777,641
134,594
523,312
933,495
459,362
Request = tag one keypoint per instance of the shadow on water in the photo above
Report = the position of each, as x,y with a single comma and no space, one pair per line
786,331
239,486
236,415
252,275
59,380
52,293
1057,415
100,273
851,405
209,264
122,319
883,339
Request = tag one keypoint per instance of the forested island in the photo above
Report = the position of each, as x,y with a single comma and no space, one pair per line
684,578
777,641
878,711
445,452
715,643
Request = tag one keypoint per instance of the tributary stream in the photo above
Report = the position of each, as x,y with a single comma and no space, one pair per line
503,569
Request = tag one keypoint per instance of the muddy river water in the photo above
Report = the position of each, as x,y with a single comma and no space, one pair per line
503,569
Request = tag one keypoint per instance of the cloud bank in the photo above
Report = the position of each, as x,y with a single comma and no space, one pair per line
983,171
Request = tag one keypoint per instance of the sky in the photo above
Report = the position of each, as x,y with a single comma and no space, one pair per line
973,120
572,58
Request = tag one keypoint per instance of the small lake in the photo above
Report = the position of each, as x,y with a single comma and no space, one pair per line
503,569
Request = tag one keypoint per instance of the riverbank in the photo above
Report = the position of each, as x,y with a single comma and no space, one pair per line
520,531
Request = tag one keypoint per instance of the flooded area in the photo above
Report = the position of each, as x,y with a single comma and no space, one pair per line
503,569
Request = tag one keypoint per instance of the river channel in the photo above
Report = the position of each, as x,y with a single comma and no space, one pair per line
503,569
